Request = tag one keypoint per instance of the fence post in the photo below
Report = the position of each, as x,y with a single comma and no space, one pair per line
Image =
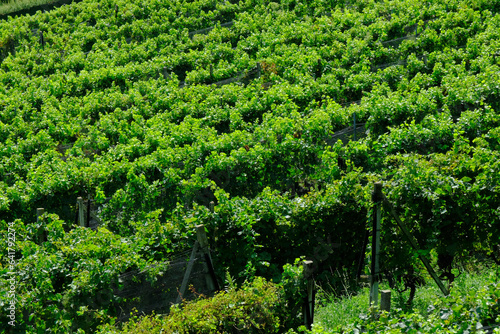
309,302
385,300
41,230
187,274
203,241
81,216
377,216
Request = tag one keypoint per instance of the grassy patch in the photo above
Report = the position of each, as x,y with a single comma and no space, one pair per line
342,311
339,312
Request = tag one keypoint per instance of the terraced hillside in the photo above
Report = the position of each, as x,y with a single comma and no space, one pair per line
154,109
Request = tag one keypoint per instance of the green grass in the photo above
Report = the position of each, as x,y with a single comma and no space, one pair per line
337,311
17,5
344,311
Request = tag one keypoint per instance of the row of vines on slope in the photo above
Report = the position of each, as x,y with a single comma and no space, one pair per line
109,124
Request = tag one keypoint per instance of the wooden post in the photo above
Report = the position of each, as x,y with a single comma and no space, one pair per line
81,216
39,213
385,300
202,237
77,213
309,302
377,216
203,241
187,274
41,230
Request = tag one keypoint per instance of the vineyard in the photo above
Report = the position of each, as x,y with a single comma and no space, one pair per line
237,115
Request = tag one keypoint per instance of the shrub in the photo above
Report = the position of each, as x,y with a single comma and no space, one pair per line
250,309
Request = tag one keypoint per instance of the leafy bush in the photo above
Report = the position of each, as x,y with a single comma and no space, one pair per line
251,309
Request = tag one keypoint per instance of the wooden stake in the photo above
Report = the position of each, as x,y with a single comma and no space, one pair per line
81,216
308,267
385,300
203,241
377,197
187,274
202,237
39,213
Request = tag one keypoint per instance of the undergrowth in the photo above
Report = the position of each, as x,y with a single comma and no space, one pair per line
473,303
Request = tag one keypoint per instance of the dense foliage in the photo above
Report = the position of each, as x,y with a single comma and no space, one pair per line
116,100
